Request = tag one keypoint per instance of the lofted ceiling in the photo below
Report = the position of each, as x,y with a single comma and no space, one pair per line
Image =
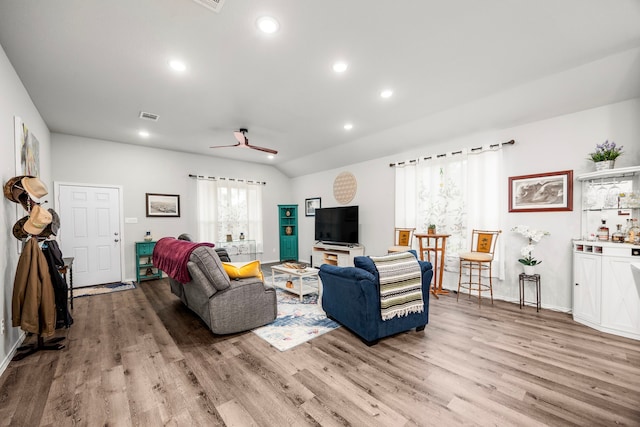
455,67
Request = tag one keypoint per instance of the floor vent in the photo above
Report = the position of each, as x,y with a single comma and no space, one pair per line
215,5
149,116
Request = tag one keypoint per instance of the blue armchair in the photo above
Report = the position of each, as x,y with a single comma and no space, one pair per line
351,296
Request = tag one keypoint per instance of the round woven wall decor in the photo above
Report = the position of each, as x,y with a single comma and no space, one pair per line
344,187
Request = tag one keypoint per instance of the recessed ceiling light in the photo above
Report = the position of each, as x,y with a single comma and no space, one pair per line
348,126
177,65
386,93
144,134
268,24
271,156
340,67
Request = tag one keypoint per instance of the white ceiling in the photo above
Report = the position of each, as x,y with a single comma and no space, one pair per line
456,66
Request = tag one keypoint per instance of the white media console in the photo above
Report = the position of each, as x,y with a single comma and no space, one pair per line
342,256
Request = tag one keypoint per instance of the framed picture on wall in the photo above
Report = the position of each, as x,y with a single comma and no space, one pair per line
543,192
310,206
163,205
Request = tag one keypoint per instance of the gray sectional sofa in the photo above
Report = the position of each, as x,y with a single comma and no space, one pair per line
226,305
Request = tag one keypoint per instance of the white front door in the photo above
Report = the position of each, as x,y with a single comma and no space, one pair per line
90,232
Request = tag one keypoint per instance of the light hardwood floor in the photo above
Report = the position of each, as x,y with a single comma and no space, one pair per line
140,357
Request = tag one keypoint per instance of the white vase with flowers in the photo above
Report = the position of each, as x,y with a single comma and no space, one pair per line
533,236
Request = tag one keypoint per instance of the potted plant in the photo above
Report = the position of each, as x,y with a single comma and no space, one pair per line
431,229
533,236
605,155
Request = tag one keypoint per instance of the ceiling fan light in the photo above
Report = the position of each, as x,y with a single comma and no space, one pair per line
268,25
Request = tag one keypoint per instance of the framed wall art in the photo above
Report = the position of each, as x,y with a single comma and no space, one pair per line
310,206
163,205
27,150
543,192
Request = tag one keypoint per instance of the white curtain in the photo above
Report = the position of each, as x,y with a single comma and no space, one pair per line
229,207
456,192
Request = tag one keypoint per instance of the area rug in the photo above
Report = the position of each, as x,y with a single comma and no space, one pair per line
103,289
297,322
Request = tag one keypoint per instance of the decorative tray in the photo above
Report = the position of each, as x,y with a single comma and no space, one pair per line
295,265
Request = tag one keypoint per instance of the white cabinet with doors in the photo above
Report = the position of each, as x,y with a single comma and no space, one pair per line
620,303
605,295
587,269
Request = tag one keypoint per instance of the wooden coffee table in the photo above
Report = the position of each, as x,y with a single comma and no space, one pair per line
298,286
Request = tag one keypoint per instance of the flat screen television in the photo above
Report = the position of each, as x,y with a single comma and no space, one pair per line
337,225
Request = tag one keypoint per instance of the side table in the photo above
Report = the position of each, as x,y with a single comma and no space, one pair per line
68,266
530,278
439,247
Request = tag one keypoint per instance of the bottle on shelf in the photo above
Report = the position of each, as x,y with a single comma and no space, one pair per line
618,236
633,235
603,232
626,229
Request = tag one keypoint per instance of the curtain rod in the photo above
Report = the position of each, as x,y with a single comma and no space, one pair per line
500,144
221,178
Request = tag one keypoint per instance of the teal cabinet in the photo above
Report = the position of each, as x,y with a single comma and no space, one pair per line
288,229
144,262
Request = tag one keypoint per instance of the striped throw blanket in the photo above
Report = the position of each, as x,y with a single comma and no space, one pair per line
400,285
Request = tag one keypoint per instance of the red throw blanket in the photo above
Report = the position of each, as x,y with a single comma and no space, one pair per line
171,256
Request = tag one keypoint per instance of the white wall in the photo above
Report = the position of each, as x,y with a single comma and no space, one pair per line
141,170
14,101
560,143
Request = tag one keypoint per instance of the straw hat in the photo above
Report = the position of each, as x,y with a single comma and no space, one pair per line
34,187
38,220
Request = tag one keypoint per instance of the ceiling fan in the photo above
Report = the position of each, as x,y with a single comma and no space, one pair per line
243,141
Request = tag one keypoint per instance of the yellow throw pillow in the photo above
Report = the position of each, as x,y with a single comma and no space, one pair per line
241,270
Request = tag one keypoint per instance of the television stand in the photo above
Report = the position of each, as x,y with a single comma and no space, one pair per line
333,254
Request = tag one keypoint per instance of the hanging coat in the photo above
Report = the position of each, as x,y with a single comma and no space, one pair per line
53,255
33,303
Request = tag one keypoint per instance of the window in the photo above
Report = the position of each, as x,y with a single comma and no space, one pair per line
457,192
227,206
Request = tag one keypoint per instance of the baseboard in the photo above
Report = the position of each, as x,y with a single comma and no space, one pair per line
517,301
12,353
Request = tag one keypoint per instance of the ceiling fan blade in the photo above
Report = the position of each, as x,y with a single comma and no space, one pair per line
239,134
243,141
266,150
225,146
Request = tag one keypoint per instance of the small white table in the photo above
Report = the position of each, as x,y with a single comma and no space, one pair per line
297,287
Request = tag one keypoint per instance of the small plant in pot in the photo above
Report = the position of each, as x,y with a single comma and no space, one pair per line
605,155
431,229
533,236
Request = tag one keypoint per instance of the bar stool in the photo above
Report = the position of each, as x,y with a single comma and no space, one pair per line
530,278
483,246
402,240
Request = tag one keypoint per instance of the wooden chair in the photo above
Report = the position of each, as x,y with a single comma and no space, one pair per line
483,245
403,240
